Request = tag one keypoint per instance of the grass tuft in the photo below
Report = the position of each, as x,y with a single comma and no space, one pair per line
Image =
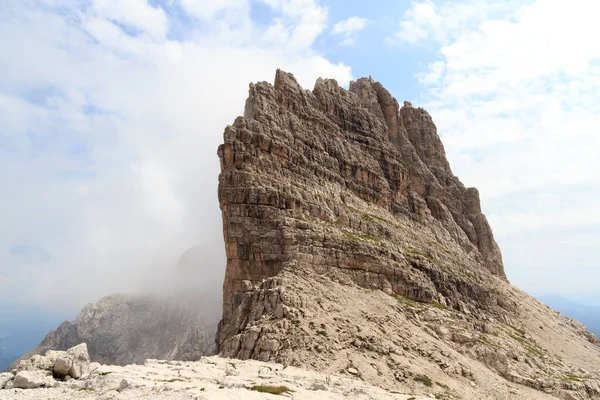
277,390
424,379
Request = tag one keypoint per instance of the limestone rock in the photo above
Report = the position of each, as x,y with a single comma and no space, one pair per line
63,365
33,379
5,377
81,361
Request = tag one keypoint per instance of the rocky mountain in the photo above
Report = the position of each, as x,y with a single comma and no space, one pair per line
177,321
351,244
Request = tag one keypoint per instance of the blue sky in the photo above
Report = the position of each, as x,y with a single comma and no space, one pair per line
111,112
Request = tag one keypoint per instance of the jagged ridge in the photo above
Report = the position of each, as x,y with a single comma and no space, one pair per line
328,190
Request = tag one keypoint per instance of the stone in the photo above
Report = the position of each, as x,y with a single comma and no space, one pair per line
52,355
318,386
5,377
81,361
62,365
41,362
465,337
230,370
33,379
93,367
124,384
352,371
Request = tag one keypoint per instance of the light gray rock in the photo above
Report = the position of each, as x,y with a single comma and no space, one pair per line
33,379
41,362
52,355
5,377
63,365
81,361
93,367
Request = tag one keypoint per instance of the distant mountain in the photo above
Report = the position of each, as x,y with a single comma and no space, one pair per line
586,314
176,321
23,327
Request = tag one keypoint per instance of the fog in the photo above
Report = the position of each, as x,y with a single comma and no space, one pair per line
108,146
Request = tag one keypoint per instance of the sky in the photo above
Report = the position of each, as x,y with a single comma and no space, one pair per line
111,112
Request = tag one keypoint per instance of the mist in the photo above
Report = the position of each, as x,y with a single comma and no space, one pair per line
108,145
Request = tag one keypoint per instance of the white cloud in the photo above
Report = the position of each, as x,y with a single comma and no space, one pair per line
445,20
301,22
208,9
348,28
137,14
109,142
517,102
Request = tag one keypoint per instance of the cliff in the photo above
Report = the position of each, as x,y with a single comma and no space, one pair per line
349,239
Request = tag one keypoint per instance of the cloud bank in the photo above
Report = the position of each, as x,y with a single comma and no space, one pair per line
111,115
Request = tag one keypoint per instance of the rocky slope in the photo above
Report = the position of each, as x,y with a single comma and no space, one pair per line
209,378
350,242
176,322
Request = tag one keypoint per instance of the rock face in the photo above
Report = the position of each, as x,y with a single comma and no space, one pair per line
342,181
348,238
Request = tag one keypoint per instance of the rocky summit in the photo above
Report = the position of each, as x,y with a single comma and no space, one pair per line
351,246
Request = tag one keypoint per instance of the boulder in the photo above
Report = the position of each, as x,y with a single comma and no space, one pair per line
5,377
41,362
52,355
81,361
33,379
63,365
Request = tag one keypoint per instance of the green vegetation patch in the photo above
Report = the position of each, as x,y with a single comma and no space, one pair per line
372,217
484,339
360,237
439,305
518,330
424,379
277,390
405,301
414,251
573,378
